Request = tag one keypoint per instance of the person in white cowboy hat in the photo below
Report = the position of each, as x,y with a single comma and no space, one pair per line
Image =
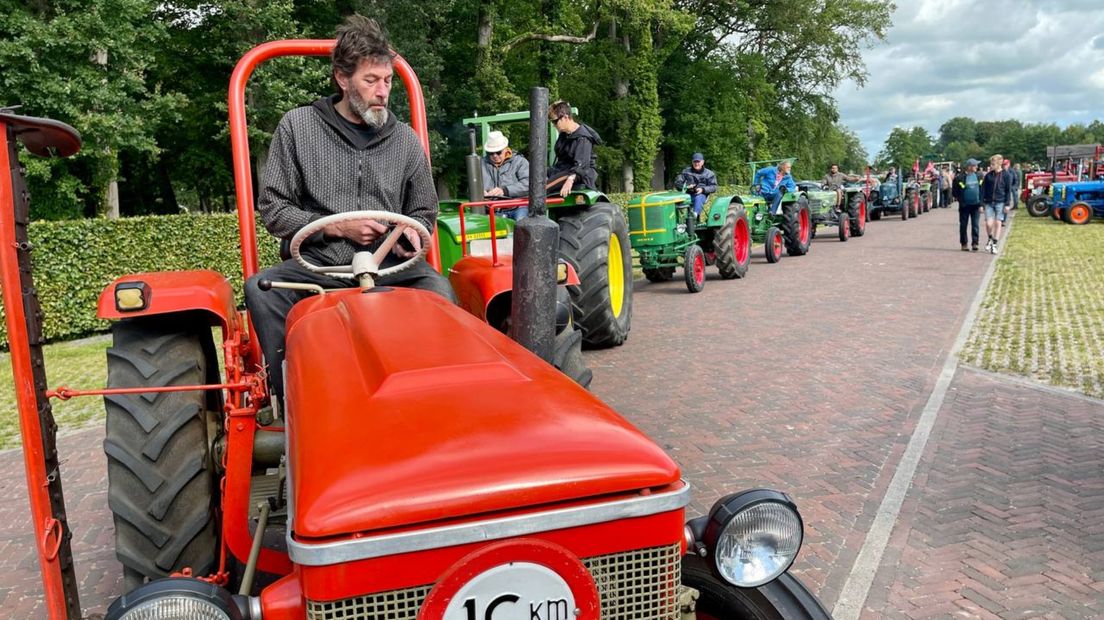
505,173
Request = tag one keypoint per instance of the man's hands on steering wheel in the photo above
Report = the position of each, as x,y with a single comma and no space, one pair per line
366,232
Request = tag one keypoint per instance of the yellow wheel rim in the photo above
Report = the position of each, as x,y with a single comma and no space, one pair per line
616,276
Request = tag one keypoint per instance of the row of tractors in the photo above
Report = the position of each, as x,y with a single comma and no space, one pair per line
444,471
1072,189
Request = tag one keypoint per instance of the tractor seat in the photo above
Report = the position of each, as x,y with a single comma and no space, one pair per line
42,136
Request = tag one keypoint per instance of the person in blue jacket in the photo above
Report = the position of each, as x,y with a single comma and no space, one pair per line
773,182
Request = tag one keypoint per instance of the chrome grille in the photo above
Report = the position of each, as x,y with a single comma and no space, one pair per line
638,585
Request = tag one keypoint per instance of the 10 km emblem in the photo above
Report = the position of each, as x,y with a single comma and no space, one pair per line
512,607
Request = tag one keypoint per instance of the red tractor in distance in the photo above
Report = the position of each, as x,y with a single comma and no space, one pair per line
439,472
1068,164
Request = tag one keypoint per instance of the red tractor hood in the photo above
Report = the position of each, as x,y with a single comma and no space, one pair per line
403,409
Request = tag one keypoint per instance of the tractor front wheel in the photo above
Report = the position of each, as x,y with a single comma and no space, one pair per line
733,244
1079,213
160,481
785,598
1056,212
773,245
875,215
693,269
798,227
596,243
856,212
1037,206
567,356
844,227
659,274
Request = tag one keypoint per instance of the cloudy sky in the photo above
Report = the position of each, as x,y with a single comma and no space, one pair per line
1032,60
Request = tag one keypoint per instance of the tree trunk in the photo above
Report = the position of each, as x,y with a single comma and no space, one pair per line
627,177
113,199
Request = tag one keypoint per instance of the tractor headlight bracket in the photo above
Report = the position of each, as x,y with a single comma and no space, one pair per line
179,598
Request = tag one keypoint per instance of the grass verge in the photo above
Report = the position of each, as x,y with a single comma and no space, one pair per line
1043,314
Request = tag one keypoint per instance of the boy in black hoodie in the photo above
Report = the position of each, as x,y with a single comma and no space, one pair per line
576,162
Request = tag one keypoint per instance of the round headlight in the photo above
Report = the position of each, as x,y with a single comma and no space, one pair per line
175,598
754,536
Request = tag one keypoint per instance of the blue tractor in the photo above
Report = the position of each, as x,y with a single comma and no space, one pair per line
1077,202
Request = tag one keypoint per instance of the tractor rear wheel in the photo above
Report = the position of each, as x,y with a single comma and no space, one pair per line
693,269
856,212
1079,213
160,479
567,356
596,243
844,227
1037,206
798,227
785,598
773,245
659,274
875,215
733,244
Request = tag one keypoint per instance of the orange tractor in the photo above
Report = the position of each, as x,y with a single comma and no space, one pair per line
443,472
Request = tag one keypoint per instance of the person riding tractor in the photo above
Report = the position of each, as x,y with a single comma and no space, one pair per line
772,183
505,174
699,182
576,162
834,181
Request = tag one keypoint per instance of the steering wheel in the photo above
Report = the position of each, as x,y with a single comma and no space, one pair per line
366,264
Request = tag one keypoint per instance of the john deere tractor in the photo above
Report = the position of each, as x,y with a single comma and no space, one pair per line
594,240
665,233
845,209
792,228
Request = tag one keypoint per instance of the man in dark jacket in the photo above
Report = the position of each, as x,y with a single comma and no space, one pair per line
505,174
346,152
699,181
967,191
576,163
996,195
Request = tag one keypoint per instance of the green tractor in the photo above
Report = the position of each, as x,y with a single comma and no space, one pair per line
845,209
664,232
594,240
791,229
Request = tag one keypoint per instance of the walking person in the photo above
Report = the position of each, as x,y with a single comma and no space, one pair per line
996,195
967,191
948,182
1017,181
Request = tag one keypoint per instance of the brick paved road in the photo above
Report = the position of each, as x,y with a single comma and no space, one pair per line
808,377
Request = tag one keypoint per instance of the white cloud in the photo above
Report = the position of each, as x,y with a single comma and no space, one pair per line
1033,60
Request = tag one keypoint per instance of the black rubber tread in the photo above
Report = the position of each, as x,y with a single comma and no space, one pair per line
912,202
659,274
875,214
1038,206
858,220
584,242
768,243
725,244
785,598
791,227
1069,213
844,228
161,486
693,253
567,357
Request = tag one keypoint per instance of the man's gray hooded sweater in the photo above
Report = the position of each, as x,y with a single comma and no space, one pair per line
320,164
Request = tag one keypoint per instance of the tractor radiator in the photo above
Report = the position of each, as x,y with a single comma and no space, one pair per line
637,585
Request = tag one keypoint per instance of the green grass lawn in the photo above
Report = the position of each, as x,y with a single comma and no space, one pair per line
1043,315
80,364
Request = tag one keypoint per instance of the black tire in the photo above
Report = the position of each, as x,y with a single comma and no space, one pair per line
875,214
659,274
585,242
855,213
1079,213
567,356
785,598
732,245
813,231
772,245
161,484
904,208
796,213
1038,206
844,228
693,269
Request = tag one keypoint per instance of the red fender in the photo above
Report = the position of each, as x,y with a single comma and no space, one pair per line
176,291
477,281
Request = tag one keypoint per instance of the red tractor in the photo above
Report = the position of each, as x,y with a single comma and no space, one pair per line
442,472
1068,164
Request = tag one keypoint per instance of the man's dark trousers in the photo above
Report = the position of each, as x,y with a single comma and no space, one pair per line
269,309
972,215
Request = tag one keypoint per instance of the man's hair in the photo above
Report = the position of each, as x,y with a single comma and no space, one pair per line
559,108
994,158
359,38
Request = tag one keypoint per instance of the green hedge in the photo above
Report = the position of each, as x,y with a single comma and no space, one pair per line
75,259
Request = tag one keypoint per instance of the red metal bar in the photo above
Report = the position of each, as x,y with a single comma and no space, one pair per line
65,393
491,206
463,233
34,459
239,136
494,238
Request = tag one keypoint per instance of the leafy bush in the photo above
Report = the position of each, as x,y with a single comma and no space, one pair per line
75,259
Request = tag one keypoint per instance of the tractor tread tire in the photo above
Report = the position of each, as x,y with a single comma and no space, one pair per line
1038,206
567,356
854,213
161,489
785,598
791,227
584,242
725,245
659,274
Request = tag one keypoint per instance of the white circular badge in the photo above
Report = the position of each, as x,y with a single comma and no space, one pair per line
514,591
